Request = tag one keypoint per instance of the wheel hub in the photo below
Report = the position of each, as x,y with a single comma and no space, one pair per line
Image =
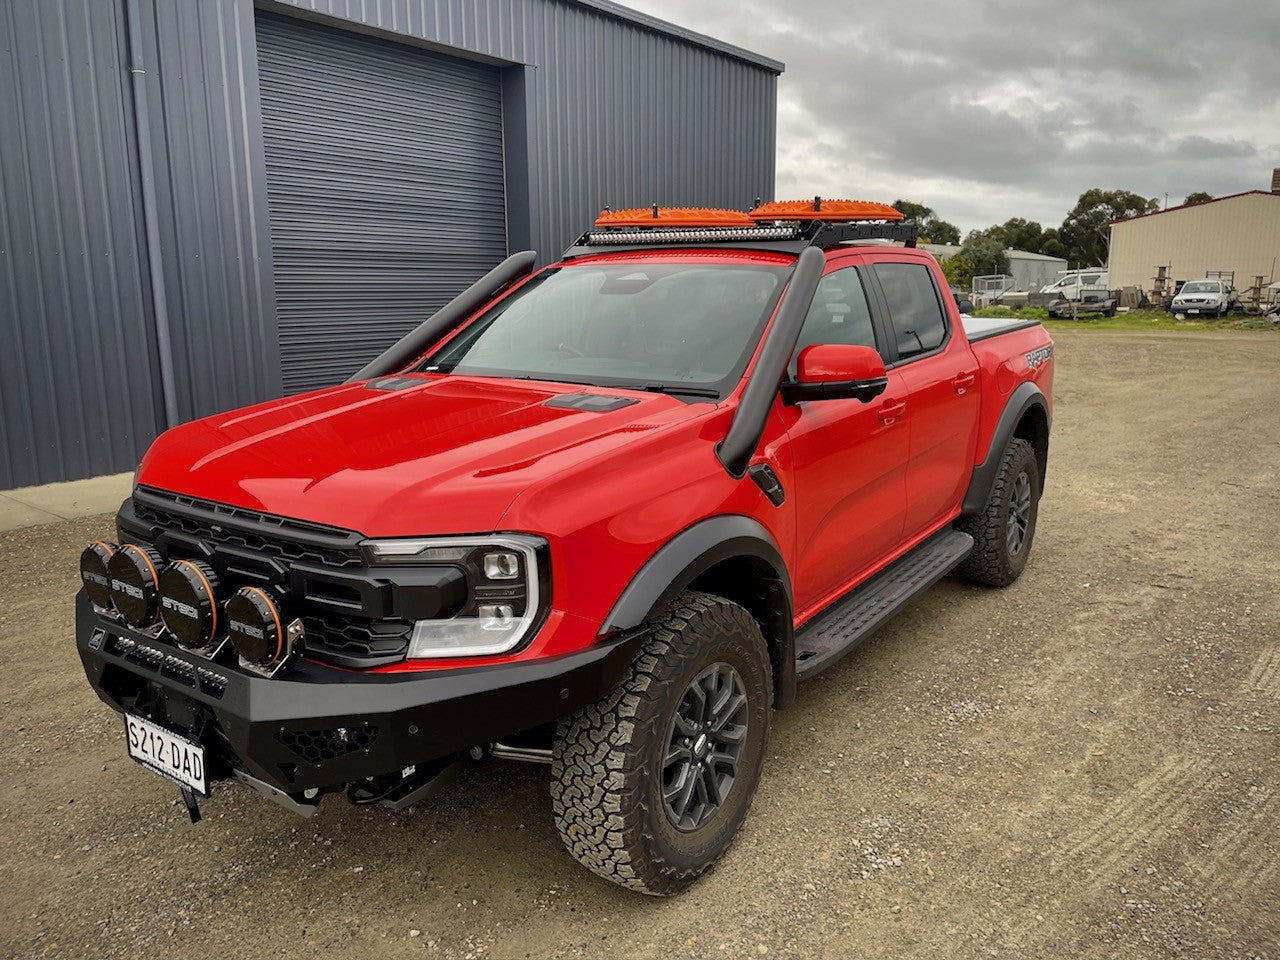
704,746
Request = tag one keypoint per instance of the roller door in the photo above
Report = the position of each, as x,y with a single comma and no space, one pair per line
385,188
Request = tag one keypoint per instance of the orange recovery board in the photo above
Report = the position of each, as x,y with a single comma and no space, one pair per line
829,211
674,217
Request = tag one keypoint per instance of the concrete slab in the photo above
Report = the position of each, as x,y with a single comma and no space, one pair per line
28,506
15,515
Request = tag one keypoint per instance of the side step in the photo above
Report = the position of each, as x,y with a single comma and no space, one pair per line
847,622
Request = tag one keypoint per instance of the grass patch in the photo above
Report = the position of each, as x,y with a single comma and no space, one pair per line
1133,320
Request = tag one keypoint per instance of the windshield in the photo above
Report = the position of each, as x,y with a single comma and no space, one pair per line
676,326
1202,286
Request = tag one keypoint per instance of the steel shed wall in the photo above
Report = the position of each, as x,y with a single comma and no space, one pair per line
600,105
78,394
618,108
215,240
1232,233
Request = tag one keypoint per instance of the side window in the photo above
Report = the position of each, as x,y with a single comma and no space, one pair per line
839,313
914,311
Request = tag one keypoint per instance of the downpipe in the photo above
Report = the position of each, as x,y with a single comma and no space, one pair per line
150,217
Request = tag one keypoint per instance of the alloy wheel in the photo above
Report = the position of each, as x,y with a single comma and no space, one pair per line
1019,514
704,747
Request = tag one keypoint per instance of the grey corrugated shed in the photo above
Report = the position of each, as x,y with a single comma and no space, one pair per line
77,391
619,108
215,240
600,105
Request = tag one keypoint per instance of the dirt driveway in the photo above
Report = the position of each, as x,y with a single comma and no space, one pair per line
1084,764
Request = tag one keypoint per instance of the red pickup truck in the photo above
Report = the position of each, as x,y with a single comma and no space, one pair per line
604,515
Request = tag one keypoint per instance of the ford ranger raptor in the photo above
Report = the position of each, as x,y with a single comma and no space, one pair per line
606,514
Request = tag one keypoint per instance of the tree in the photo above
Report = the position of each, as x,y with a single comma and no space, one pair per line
940,231
1086,232
1017,233
985,252
958,270
932,230
1198,197
913,211
1052,246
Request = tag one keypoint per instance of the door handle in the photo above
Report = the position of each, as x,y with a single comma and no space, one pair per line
891,411
964,382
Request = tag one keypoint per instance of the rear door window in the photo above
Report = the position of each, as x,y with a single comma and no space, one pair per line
915,315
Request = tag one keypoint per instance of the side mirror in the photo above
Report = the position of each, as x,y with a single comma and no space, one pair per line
837,371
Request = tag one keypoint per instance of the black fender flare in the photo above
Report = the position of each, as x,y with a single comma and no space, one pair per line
693,552
1026,396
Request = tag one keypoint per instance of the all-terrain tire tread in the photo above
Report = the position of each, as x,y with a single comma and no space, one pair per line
598,794
989,563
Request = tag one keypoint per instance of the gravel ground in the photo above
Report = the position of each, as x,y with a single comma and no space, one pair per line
1084,764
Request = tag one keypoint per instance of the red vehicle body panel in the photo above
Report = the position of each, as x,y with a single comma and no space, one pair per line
865,481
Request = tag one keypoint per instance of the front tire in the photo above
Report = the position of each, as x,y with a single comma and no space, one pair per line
650,785
1003,532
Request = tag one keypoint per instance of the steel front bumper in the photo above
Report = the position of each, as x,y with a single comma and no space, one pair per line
319,726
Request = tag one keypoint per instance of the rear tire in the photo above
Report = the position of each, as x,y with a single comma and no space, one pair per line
621,767
1003,532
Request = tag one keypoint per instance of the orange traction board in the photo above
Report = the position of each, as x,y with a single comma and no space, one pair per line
830,211
674,217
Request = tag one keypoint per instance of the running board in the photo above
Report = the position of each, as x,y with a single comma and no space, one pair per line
847,622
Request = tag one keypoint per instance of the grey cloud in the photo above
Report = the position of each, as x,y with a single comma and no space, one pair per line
986,111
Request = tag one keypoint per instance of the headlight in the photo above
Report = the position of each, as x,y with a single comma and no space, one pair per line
508,591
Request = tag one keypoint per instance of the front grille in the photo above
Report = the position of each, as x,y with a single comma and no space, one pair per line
245,546
279,537
353,637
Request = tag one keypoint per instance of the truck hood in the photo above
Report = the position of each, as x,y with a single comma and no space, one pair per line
442,455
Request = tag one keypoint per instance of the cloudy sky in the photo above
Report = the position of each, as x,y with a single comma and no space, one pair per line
988,110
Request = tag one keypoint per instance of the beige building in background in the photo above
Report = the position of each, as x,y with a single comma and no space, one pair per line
1239,232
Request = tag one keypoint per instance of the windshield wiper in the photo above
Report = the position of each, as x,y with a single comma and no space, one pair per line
676,388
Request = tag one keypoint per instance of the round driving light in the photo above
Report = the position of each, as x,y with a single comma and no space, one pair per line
93,571
188,605
256,627
134,574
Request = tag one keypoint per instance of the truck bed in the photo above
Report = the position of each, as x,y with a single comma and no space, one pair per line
980,328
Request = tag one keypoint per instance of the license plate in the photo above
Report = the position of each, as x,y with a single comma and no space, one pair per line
173,757
1194,310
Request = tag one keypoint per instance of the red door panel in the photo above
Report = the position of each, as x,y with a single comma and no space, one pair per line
938,374
943,412
849,464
